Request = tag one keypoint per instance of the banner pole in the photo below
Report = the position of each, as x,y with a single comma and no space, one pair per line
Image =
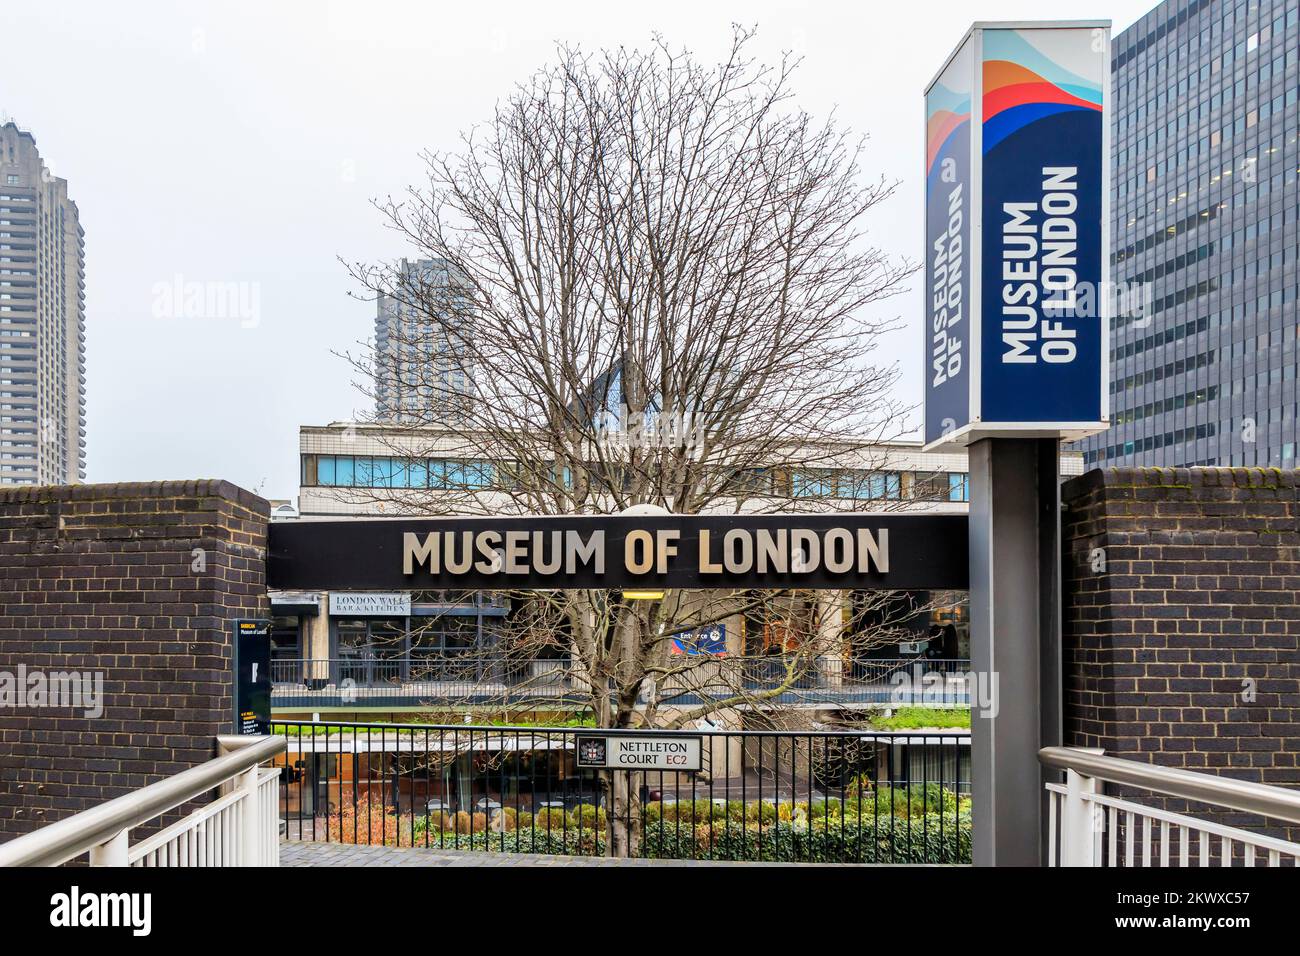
1015,640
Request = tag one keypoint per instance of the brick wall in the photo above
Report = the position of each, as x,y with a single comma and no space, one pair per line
139,582
1196,611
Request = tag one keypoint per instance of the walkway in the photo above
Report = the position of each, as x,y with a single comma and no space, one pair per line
293,853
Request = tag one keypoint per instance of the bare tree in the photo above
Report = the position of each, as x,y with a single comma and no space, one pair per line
651,286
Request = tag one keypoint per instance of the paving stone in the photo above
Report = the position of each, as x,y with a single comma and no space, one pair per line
295,853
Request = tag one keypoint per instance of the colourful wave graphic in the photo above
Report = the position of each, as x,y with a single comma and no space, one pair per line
947,110
1022,85
941,126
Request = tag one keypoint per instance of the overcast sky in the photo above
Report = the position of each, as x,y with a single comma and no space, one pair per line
242,142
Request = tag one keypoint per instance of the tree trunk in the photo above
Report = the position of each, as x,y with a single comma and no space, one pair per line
624,804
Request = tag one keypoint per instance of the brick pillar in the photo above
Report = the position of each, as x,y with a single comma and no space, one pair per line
1182,618
137,583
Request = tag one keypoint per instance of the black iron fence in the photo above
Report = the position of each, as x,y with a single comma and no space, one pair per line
801,796
420,681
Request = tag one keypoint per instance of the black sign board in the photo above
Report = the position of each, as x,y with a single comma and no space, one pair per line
252,640
899,551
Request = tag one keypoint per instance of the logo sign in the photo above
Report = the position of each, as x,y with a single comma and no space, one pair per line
1017,245
252,655
706,640
345,604
902,551
651,752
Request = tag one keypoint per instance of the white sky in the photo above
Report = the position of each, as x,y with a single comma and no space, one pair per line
241,143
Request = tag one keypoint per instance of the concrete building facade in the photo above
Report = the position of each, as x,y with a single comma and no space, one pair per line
42,321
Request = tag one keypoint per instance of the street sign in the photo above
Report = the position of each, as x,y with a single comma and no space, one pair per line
1017,241
349,604
252,654
650,752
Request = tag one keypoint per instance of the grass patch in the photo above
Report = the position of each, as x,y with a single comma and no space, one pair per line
917,718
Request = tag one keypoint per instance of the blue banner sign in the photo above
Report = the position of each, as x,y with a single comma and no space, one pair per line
1017,207
947,244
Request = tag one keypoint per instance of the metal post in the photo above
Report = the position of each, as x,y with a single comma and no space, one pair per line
1077,830
1051,686
250,823
1015,633
112,852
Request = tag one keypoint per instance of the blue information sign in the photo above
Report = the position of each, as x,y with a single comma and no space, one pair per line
1017,206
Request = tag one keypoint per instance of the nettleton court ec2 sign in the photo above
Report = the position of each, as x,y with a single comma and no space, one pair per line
900,551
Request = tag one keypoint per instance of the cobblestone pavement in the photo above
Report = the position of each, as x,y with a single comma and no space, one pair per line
293,853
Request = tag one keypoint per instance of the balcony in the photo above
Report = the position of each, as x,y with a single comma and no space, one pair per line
416,681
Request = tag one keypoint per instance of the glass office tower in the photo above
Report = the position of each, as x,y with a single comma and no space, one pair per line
1204,238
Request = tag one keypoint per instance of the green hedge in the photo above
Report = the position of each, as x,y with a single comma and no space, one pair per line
928,839
522,841
933,838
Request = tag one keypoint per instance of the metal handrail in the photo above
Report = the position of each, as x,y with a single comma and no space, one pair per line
1276,803
72,836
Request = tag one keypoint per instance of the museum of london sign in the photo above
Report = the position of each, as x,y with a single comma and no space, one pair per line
904,551
740,551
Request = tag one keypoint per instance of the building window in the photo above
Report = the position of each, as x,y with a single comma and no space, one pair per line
285,645
813,483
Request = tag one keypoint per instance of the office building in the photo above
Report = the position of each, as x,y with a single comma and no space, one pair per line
1204,237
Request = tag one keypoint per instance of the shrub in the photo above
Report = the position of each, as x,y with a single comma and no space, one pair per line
921,839
688,812
550,818
863,797
915,800
861,785
833,809
368,822
510,818
523,839
585,816
467,823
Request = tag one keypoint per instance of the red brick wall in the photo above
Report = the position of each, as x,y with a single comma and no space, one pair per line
139,581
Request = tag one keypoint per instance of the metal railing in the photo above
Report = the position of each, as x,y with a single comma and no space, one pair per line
1090,828
417,681
810,796
239,828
